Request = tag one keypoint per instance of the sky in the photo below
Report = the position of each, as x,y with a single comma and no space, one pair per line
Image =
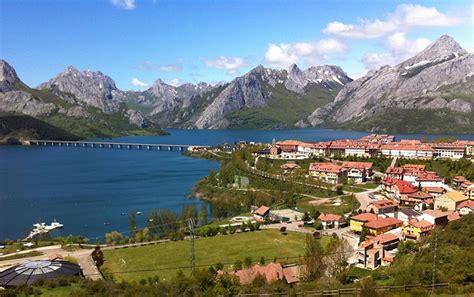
136,42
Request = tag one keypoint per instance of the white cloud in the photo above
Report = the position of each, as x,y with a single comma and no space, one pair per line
286,54
177,67
137,83
231,64
124,4
176,82
399,49
404,18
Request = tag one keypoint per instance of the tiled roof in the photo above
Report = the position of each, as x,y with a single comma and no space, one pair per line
405,187
436,213
262,210
364,217
357,165
453,216
325,167
422,225
439,190
329,217
380,204
467,203
383,222
290,142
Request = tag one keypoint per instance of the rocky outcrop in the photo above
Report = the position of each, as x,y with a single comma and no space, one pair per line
425,81
88,87
8,77
255,88
25,103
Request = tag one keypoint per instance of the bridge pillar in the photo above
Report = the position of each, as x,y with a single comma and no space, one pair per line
60,144
101,145
148,147
75,144
139,147
129,146
68,144
92,145
84,144
180,148
111,146
170,148
159,147
119,146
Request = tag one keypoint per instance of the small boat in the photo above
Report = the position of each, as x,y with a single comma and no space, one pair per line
138,213
106,224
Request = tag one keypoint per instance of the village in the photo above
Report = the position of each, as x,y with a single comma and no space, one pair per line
407,204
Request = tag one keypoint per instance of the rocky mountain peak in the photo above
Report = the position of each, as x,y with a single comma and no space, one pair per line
8,77
90,87
442,49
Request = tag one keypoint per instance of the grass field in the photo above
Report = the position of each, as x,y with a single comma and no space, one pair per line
166,259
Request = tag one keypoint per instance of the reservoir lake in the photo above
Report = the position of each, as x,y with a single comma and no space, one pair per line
83,188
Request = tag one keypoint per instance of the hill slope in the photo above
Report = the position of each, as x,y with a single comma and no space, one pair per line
15,127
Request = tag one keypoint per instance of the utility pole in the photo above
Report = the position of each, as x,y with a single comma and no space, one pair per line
433,276
191,254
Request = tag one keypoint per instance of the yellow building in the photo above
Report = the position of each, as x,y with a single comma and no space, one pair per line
449,200
417,229
357,222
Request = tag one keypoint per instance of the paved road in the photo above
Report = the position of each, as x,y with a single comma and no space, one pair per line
364,199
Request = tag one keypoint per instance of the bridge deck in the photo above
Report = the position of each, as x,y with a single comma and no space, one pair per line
106,143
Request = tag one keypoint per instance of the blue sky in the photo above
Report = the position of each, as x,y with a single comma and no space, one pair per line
136,42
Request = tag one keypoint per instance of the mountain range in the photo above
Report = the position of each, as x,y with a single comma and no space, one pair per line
430,92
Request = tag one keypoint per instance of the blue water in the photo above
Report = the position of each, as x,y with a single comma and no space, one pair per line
83,188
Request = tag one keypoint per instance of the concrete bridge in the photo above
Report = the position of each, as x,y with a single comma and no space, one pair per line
119,145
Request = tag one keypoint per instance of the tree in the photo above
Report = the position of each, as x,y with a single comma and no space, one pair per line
314,266
338,254
203,216
262,260
315,213
113,237
377,179
306,217
188,212
339,190
132,222
248,262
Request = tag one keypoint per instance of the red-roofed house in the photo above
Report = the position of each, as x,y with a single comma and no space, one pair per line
262,213
358,171
417,228
465,207
374,249
330,173
331,220
436,217
435,191
382,206
357,222
397,187
382,225
394,172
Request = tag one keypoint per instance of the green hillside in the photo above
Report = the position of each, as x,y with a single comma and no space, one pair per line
16,127
284,108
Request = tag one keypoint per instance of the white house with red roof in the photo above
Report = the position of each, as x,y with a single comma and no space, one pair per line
327,172
330,220
358,171
262,213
